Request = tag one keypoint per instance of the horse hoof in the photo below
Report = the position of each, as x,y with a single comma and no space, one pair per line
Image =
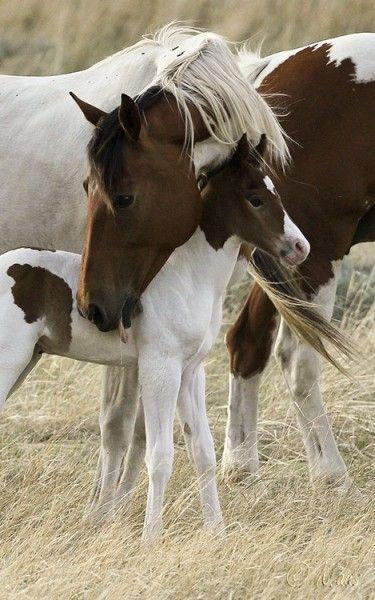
237,473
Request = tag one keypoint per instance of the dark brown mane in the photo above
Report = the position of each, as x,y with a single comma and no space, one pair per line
105,149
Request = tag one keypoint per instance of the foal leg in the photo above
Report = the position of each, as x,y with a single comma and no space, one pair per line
118,406
134,458
249,343
160,379
193,418
301,368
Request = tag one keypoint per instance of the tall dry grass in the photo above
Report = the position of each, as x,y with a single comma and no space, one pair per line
294,540
62,35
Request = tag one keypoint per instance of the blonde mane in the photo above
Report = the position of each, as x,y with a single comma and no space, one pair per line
199,69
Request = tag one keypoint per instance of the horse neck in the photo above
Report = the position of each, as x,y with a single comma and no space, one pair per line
198,264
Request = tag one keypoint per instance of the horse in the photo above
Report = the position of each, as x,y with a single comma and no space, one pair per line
181,317
327,96
44,138
103,278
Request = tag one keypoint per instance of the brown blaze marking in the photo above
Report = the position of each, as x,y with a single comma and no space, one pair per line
39,293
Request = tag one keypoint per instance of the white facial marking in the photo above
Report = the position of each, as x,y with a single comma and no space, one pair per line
292,232
269,185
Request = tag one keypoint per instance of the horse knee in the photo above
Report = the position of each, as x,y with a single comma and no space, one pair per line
305,372
204,454
159,463
299,363
285,348
112,429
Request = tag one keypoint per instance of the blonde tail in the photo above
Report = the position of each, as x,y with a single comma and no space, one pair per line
302,316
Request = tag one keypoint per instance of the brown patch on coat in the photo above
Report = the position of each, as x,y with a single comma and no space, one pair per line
42,294
329,190
187,429
249,340
330,184
365,231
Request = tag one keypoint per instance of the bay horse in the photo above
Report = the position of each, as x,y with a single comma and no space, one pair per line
170,338
327,92
44,138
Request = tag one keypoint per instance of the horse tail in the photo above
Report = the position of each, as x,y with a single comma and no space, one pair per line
286,293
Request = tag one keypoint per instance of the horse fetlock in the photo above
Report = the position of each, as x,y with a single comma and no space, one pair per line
240,463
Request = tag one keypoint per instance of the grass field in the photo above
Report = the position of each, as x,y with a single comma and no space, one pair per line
291,541
294,540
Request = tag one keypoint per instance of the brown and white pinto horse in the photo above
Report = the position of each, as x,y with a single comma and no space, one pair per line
328,91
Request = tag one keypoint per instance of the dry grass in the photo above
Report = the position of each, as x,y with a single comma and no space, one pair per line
294,540
47,37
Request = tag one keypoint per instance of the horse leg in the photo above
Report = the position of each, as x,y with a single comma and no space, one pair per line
134,458
19,355
160,380
117,415
249,343
301,368
193,418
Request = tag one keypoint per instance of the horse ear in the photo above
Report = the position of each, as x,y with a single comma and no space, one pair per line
92,113
261,149
129,117
242,151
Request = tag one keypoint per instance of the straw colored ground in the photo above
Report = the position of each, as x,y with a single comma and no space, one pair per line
294,541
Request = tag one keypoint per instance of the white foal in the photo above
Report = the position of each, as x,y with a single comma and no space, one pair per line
38,314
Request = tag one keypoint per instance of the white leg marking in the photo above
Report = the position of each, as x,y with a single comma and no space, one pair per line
134,458
240,450
193,418
301,367
160,383
117,416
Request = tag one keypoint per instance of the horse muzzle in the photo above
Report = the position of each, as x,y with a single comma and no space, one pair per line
131,308
294,247
294,251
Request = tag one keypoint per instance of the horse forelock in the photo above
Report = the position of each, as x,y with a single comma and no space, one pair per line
199,70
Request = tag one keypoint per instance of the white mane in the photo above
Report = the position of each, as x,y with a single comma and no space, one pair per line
199,69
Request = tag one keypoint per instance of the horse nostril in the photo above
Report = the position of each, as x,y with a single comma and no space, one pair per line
299,247
94,314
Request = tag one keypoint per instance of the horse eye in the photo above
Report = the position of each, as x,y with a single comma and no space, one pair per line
122,200
202,181
86,185
255,201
